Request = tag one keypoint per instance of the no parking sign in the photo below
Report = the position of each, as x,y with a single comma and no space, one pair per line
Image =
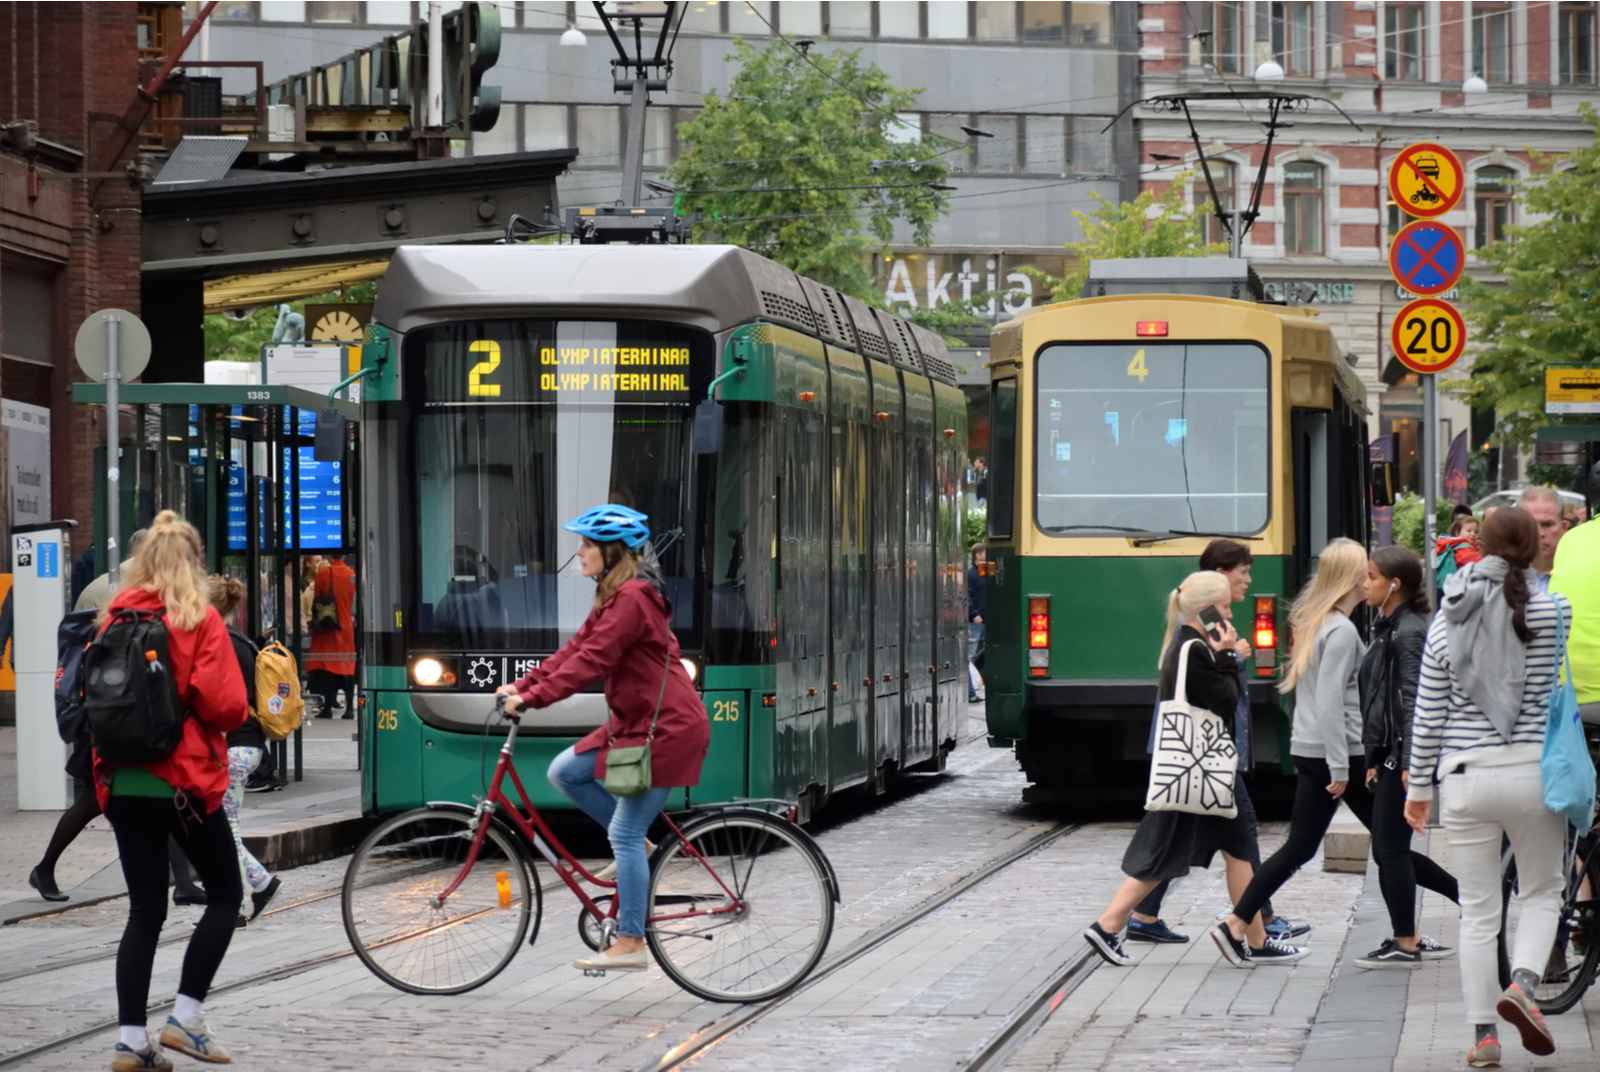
1427,257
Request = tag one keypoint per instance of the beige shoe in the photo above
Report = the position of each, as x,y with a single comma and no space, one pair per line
194,1040
609,872
636,961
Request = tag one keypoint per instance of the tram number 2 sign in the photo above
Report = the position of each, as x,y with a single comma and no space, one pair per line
1428,335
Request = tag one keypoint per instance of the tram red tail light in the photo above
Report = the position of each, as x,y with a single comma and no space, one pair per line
1148,329
1266,635
1038,636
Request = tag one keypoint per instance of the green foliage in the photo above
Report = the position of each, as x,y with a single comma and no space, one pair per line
1563,477
977,527
797,162
1547,310
231,339
1406,521
1151,225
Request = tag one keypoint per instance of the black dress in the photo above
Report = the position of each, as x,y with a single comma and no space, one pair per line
1168,843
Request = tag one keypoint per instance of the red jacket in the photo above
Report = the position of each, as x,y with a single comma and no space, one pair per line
629,642
210,688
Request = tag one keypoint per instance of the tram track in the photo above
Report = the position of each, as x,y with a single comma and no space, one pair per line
1033,1012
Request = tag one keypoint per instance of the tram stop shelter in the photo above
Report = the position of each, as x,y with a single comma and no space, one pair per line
242,464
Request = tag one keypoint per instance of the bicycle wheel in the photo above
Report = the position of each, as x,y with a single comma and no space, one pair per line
398,927
1575,957
753,925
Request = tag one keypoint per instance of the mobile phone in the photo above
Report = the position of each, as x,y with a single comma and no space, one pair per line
1211,618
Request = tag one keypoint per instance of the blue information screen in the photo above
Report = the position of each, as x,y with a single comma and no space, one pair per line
321,496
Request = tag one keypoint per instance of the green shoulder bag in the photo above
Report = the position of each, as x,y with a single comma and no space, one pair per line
628,769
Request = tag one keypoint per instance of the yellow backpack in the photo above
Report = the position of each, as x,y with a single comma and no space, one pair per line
279,706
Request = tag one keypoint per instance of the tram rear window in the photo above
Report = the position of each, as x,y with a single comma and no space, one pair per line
1153,437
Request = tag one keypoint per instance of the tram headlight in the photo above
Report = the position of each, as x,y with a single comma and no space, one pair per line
428,672
691,669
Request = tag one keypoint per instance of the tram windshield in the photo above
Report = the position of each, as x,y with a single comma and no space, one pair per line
521,425
1152,437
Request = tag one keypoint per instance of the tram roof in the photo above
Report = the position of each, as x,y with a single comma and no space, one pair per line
712,286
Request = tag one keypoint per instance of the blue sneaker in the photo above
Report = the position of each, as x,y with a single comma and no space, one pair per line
194,1040
1157,932
149,1059
1284,929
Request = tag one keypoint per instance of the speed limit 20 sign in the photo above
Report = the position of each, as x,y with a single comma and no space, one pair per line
1428,335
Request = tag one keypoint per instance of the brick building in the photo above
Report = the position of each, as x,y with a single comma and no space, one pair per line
69,235
1398,70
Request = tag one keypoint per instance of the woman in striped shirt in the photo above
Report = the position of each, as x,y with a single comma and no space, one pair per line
1487,669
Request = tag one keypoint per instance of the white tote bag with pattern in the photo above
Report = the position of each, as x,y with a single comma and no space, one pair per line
1194,762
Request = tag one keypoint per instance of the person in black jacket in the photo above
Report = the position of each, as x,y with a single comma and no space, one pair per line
975,573
1168,843
246,746
1388,678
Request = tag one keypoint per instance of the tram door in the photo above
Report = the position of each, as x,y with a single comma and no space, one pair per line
849,743
917,678
888,555
802,605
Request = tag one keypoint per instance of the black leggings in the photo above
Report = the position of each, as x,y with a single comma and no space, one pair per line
85,807
142,826
1400,871
1151,905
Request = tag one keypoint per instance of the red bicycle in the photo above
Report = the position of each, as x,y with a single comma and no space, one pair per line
439,899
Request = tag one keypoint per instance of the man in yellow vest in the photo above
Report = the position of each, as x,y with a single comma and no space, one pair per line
1577,576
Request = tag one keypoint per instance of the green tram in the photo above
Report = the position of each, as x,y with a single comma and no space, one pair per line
1128,430
807,522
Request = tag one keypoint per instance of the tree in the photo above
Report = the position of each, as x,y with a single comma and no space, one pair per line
804,161
1545,312
1151,225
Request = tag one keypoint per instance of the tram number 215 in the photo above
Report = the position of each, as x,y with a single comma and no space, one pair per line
725,710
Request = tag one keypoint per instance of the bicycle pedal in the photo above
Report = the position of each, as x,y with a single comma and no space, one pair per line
594,973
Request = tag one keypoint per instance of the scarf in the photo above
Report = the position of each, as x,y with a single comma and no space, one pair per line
1489,660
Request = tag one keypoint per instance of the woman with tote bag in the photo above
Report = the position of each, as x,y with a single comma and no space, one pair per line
1168,843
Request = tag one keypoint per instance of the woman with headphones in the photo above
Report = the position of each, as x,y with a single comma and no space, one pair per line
627,640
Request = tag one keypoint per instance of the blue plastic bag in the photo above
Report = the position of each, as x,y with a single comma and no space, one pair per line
1566,768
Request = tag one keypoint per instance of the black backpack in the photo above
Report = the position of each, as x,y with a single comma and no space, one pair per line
73,638
128,691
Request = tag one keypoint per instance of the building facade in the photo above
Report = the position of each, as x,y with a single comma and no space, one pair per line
1397,71
69,235
1040,80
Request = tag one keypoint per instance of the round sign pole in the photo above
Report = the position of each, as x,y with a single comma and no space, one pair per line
113,461
1430,479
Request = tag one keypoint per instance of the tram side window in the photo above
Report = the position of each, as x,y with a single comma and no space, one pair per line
1155,437
1003,458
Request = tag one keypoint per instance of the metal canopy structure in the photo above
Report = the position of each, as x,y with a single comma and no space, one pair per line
229,458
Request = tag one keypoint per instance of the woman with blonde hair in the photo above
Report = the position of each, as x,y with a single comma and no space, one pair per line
1326,739
1168,843
179,795
627,641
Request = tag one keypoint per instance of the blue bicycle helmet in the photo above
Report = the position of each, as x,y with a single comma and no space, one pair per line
611,522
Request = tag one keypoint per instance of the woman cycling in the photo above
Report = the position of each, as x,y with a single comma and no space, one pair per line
1388,681
627,640
178,796
1487,670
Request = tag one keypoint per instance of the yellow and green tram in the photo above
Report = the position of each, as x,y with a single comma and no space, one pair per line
1128,430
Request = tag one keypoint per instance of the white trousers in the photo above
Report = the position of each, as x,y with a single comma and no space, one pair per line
1480,804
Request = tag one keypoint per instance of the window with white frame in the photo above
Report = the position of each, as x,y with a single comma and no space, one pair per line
1224,34
1402,42
1492,206
1302,207
1577,44
1491,43
1225,178
1293,45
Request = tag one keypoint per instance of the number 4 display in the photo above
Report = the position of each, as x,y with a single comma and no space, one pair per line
1137,369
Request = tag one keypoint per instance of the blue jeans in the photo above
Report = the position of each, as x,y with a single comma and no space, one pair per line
626,820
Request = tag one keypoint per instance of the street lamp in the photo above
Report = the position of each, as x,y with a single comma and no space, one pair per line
1269,71
1475,85
574,37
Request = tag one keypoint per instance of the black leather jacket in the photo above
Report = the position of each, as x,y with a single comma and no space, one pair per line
1388,678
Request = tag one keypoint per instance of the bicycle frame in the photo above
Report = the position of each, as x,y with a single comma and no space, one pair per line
536,832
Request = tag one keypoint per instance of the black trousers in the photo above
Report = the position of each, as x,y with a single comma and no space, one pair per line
1151,905
326,684
142,826
1400,871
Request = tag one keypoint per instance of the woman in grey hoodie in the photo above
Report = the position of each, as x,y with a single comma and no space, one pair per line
1329,757
1487,669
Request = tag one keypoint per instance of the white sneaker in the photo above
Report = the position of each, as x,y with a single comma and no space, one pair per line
636,961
